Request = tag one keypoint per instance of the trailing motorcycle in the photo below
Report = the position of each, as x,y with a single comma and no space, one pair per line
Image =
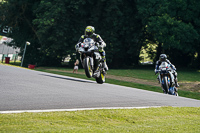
91,60
166,79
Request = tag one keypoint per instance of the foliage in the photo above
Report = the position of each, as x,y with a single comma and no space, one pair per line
18,15
174,24
66,20
54,27
148,52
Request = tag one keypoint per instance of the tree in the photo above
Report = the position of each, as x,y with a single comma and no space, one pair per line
122,29
54,27
67,19
174,25
18,15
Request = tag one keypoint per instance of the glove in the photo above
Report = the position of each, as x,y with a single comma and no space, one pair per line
100,47
77,47
156,71
102,60
173,67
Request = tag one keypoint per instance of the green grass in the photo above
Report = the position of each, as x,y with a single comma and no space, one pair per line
148,74
184,75
16,63
189,75
188,94
164,119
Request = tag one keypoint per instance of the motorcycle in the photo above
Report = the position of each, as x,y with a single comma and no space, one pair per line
166,79
91,60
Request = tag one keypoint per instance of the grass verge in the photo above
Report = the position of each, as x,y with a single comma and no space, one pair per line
164,119
188,94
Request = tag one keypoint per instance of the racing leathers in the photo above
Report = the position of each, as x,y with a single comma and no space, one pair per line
158,63
102,44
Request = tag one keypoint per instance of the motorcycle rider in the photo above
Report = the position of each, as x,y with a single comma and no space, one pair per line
163,58
90,33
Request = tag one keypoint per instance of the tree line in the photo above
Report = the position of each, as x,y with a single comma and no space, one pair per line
54,26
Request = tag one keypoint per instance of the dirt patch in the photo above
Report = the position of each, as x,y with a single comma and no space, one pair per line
128,79
134,80
190,86
187,86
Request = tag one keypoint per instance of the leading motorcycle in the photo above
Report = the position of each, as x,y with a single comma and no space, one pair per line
166,79
91,60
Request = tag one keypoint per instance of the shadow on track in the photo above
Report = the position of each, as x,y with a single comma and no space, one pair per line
68,78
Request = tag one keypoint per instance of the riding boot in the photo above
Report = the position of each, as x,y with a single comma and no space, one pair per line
104,63
158,79
176,83
175,89
105,66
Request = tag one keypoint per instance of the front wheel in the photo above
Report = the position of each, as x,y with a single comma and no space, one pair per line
87,66
101,79
165,84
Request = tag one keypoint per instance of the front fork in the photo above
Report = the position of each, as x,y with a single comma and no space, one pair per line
91,62
172,81
159,78
171,76
90,58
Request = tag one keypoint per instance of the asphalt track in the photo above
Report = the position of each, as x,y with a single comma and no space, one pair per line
24,89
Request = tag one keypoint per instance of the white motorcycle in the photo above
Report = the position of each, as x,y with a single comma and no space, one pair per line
91,60
166,79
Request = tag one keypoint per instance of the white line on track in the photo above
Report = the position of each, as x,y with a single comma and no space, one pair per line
78,109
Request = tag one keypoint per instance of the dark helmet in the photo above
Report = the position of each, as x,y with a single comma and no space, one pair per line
89,30
163,57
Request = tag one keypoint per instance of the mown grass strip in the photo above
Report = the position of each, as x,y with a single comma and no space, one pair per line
188,94
164,119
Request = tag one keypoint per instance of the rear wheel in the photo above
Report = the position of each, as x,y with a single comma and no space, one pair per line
101,79
87,66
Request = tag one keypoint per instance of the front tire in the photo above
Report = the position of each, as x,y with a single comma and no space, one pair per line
165,85
87,66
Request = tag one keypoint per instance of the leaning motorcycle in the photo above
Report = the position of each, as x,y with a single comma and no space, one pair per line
91,60
166,79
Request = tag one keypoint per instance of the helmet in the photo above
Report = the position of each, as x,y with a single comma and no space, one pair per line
163,57
89,30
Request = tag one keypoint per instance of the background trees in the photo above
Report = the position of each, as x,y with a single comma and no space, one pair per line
54,27
173,25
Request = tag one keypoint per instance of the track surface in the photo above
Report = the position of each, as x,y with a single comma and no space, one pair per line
23,89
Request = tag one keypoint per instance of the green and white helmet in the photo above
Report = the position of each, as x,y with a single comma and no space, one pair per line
89,30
